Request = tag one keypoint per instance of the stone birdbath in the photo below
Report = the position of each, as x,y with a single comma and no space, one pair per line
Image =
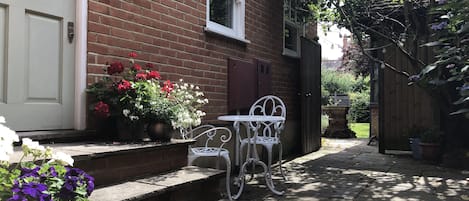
338,124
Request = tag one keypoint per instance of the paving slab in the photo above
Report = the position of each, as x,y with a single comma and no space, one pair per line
349,169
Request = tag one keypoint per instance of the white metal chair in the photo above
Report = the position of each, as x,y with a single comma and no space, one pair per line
210,132
269,133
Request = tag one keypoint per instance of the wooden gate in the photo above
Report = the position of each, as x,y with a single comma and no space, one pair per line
310,95
402,106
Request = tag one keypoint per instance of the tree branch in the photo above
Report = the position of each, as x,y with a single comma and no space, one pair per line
360,44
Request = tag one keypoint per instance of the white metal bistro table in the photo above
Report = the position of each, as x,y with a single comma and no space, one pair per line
249,121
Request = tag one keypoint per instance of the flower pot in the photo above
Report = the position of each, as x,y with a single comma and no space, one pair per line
159,131
430,151
129,131
415,147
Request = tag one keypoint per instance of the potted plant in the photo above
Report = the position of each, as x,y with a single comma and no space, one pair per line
134,96
430,144
179,108
414,140
125,96
49,176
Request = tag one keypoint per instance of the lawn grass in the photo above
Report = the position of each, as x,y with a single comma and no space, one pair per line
361,129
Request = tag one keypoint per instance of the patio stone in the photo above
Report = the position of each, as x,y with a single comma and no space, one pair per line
348,169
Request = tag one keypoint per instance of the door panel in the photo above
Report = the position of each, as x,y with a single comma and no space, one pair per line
310,95
39,66
43,47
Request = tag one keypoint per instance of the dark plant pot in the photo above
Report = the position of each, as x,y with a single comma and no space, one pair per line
415,147
106,128
129,132
159,131
430,151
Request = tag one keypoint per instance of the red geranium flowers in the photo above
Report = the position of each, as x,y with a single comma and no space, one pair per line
101,109
115,68
123,86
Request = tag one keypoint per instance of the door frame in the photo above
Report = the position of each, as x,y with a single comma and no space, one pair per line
81,22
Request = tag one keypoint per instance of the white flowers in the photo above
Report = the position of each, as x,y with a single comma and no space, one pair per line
62,158
30,147
7,137
126,112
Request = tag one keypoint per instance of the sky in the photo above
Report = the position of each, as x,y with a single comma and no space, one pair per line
331,42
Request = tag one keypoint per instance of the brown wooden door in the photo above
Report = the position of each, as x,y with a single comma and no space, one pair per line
310,95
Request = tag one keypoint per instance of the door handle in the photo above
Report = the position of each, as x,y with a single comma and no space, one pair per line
70,31
308,94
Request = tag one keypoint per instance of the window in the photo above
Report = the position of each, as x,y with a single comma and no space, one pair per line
226,17
293,29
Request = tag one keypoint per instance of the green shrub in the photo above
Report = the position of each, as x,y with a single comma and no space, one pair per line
360,107
324,96
361,84
337,82
324,123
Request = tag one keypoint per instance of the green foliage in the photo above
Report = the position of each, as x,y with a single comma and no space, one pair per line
360,106
7,179
337,82
324,95
324,122
451,32
361,84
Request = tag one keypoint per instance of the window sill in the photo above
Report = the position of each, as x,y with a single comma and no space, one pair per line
231,36
291,54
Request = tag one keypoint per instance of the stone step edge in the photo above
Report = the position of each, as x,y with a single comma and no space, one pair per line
91,150
155,185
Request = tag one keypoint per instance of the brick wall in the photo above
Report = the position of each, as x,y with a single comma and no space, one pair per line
171,34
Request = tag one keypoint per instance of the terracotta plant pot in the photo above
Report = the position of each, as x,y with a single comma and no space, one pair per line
430,151
129,132
159,131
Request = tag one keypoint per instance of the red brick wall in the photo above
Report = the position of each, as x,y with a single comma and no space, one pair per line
171,34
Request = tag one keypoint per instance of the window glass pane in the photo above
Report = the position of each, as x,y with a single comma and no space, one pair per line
221,12
290,35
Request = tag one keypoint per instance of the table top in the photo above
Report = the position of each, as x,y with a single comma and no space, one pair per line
251,118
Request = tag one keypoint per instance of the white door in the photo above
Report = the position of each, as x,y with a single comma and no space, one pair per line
36,64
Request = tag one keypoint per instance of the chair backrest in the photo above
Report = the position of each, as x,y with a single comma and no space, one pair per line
210,134
188,133
269,106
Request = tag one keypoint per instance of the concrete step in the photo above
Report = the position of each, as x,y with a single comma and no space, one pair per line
111,163
186,184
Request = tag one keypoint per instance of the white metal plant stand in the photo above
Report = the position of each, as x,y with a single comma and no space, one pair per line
251,156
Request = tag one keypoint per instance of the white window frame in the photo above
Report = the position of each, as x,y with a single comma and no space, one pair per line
237,31
299,32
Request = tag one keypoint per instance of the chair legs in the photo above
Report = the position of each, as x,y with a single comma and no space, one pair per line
228,173
190,159
280,154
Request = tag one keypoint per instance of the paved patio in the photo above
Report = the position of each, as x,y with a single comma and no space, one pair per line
351,170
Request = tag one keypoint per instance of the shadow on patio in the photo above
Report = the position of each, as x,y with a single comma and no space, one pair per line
351,170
